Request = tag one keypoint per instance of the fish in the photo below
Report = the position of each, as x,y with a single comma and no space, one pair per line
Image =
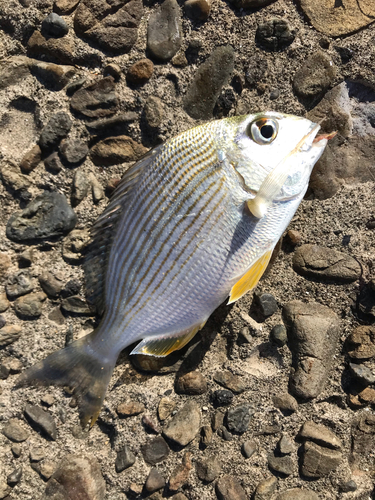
193,222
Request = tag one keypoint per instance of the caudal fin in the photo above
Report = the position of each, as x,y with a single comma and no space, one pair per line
78,366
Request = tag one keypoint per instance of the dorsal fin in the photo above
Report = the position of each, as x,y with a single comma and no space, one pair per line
104,230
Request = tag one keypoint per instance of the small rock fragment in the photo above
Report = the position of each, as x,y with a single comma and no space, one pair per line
30,306
113,70
53,163
9,334
155,451
274,34
297,494
222,397
314,77
13,178
4,302
278,335
180,474
266,489
5,264
283,465
36,454
74,151
46,469
293,237
249,448
19,284
25,259
198,9
14,365
74,245
76,305
130,409
15,477
47,400
367,396
164,31
140,72
80,187
41,420
192,383
16,450
115,150
4,372
320,434
217,420
228,488
14,431
285,445
96,188
31,159
56,129
97,99
165,408
50,285
361,343
4,489
125,459
185,425
318,461
208,469
238,418
153,111
266,303
54,25
155,481
206,436
230,381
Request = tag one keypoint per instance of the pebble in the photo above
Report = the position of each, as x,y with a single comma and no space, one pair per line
198,10
164,31
50,285
113,70
30,306
46,469
26,258
4,302
278,335
180,474
313,332
76,305
297,494
13,178
192,383
361,343
140,72
53,163
206,436
41,421
184,425
363,434
165,408
58,127
125,458
5,264
224,433
80,187
222,397
4,372
72,287
9,334
4,489
365,303
314,77
203,92
2,321
249,448
48,216
282,465
31,159
56,50
47,400
153,111
155,481
116,150
15,477
367,396
228,488
318,461
115,123
274,35
293,237
16,450
285,445
217,420
14,431
265,489
81,475
75,85
96,100
266,303
230,381
14,365
53,76
274,94
208,469
19,284
74,151
362,373
325,264
54,25
130,409
96,189
37,453
155,451
349,486
238,418
74,244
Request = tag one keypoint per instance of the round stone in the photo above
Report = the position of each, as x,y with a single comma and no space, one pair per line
140,72
54,25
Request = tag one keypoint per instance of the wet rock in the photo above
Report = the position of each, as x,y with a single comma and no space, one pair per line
50,285
74,245
266,303
318,461
249,448
205,89
228,488
206,436
185,425
274,34
297,494
281,464
76,477
164,31
73,150
325,264
4,489
238,418
313,332
314,77
278,335
54,25
140,72
114,30
266,489
208,469
154,482
31,159
53,163
180,474
80,187
361,343
153,111
198,9
230,381
30,306
125,458
130,409
14,431
15,477
115,150
57,50
222,398
76,305
97,99
362,373
41,420
165,408
47,216
19,284
155,451
192,383
363,434
9,334
12,177
57,128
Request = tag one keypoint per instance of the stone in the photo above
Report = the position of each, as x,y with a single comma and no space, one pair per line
326,264
56,316
293,237
57,128
14,431
367,396
155,481
313,331
249,448
65,6
76,477
155,450
228,488
349,486
208,469
130,409
225,102
52,76
31,159
365,303
80,187
222,397
153,111
224,433
111,29
281,464
54,25
360,344
19,284
266,303
297,494
14,365
251,4
278,335
185,425
14,477
74,245
285,445
96,100
116,150
9,334
5,264
53,163
150,425
230,381
41,420
16,450
203,92
165,408
180,474
37,454
76,305
56,50
265,489
47,400
46,469
164,31
198,10
238,418
13,70
4,302
140,72
217,420
30,306
363,434
4,489
274,35
96,189
50,285
192,383
318,461
362,374
314,77
113,70
47,216
178,496
26,258
12,177
206,436
179,60
4,372
73,150
125,458
2,321
115,123
339,19
257,70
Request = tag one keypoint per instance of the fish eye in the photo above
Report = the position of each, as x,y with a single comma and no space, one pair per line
263,130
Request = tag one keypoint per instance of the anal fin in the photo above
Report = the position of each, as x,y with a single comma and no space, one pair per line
250,279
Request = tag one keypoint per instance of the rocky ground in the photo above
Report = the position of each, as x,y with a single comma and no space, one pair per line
274,399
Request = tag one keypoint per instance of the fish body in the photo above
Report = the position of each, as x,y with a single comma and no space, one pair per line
192,223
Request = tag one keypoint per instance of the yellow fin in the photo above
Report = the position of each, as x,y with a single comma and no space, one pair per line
164,346
250,279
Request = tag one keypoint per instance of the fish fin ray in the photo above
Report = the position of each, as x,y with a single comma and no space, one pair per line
251,278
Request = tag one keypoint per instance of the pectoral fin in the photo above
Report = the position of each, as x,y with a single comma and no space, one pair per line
161,347
250,279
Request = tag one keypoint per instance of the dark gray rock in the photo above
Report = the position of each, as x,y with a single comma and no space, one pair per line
362,373
57,128
53,163
41,421
185,425
278,335
48,216
222,397
266,303
4,372
2,322
54,25
257,70
228,488
76,305
74,150
313,331
365,303
205,89
208,469
15,477
50,285
125,458
30,306
19,284
297,494
75,85
154,482
9,334
97,99
318,461
116,123
349,486
266,489
274,34
192,383
230,381
155,451
14,431
164,31
80,187
314,77
238,418
281,464
249,448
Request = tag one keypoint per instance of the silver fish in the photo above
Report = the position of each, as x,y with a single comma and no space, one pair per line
193,222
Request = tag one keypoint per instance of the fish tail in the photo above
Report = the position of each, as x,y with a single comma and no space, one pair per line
79,366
